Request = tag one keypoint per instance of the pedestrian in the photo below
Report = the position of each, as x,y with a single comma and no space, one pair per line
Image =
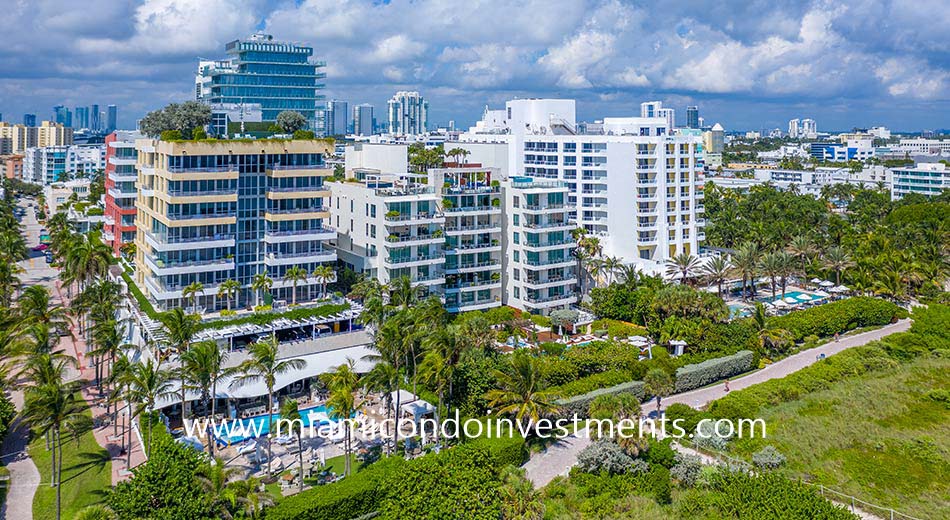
727,385
836,337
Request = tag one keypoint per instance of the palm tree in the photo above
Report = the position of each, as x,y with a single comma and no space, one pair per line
802,248
771,265
786,265
180,330
49,409
612,266
191,292
229,290
383,378
519,500
658,384
324,273
263,365
521,391
261,283
837,260
215,479
436,372
294,275
290,412
9,281
770,338
36,305
342,383
746,261
683,264
595,266
717,270
148,384
202,367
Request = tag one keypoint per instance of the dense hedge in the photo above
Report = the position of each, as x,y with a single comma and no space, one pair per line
852,362
265,318
7,412
601,356
591,383
837,317
144,305
773,496
578,404
710,371
618,329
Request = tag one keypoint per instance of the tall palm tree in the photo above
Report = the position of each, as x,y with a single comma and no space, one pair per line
657,383
294,275
436,371
786,265
191,292
384,379
264,366
770,338
803,249
202,367
229,289
180,330
717,270
290,412
9,281
521,391
771,266
683,264
595,267
148,383
342,383
612,266
838,260
36,305
50,409
402,294
519,499
746,261
324,273
261,283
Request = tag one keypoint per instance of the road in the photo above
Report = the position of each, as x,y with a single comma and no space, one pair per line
559,458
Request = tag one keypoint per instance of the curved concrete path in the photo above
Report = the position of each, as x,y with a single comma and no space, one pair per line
24,477
562,455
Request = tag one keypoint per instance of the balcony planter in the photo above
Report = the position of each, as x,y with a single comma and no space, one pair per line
447,203
392,238
392,214
495,277
494,242
495,184
437,233
496,203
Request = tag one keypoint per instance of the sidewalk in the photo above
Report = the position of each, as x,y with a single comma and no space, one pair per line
560,457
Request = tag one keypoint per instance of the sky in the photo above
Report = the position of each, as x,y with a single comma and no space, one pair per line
748,65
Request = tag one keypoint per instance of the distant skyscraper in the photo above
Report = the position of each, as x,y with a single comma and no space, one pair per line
809,128
364,122
408,113
113,114
337,116
692,117
95,121
793,128
277,75
29,119
63,116
82,117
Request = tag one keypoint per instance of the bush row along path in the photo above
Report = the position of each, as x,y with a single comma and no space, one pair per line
558,458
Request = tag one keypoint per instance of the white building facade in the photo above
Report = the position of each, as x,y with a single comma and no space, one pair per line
408,113
928,179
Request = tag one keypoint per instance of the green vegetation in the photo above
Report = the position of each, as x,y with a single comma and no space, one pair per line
86,476
176,121
265,318
839,317
144,305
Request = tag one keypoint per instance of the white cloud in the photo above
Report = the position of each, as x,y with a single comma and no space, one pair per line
571,61
396,48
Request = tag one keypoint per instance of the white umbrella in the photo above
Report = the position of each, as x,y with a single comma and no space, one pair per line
804,297
791,301
822,294
816,280
779,303
826,283
839,289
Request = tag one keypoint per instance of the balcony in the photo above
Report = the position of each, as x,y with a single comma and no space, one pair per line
280,171
544,208
122,161
473,210
406,192
310,192
701,235
201,216
563,225
108,236
548,301
163,268
641,210
551,244
395,241
118,194
549,263
473,248
474,305
123,176
109,220
418,218
299,235
474,229
317,256
166,243
473,267
475,285
407,261
472,190
437,278
178,173
551,281
647,238
282,215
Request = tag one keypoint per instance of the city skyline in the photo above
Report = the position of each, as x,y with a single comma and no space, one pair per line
817,59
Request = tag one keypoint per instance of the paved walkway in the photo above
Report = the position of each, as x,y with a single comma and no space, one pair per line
561,456
24,477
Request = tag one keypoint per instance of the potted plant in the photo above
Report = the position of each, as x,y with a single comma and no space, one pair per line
496,203
392,214
495,277
437,233
447,203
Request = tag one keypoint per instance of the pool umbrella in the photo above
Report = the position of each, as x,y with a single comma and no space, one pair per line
816,280
791,301
826,283
804,297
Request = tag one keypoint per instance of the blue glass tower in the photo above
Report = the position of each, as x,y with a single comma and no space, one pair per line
277,75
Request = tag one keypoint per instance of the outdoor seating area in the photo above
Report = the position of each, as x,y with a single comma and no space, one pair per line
802,295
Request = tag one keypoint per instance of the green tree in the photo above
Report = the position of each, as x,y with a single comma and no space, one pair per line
202,368
519,500
657,383
342,382
683,264
838,260
229,290
294,275
290,121
263,365
183,118
290,413
191,292
147,385
180,330
261,283
324,273
520,390
717,270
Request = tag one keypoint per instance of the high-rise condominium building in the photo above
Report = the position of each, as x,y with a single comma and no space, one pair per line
112,116
95,118
692,117
794,129
655,109
47,134
29,119
337,117
363,120
82,117
809,128
408,113
48,164
714,141
214,211
63,116
277,75
121,176
631,183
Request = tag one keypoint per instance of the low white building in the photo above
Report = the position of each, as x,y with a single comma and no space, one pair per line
921,146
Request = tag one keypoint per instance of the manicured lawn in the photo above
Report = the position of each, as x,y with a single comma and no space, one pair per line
335,465
87,475
878,437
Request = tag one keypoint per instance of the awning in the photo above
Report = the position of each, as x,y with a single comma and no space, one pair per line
678,343
404,396
826,283
417,408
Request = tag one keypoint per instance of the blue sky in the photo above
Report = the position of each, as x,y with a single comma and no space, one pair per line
748,65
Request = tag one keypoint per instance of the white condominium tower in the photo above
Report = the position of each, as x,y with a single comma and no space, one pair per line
632,183
408,114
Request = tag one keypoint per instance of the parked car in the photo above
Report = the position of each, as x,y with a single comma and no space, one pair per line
41,247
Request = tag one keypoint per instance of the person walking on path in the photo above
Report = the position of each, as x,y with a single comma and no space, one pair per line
727,386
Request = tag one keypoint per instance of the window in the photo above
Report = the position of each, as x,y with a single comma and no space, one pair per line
367,209
516,238
351,225
517,274
372,210
516,256
515,218
372,231
570,147
517,292
351,206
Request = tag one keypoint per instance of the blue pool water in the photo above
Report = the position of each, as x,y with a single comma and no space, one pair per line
739,311
797,295
243,429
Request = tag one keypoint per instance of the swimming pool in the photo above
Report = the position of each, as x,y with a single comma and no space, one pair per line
239,430
739,311
803,297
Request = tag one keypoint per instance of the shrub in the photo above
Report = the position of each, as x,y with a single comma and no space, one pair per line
264,319
7,412
686,469
768,458
170,135
746,403
601,356
604,455
144,305
590,383
539,320
552,348
710,371
619,329
689,417
638,467
661,453
579,404
556,372
771,495
659,482
504,450
708,437
837,317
